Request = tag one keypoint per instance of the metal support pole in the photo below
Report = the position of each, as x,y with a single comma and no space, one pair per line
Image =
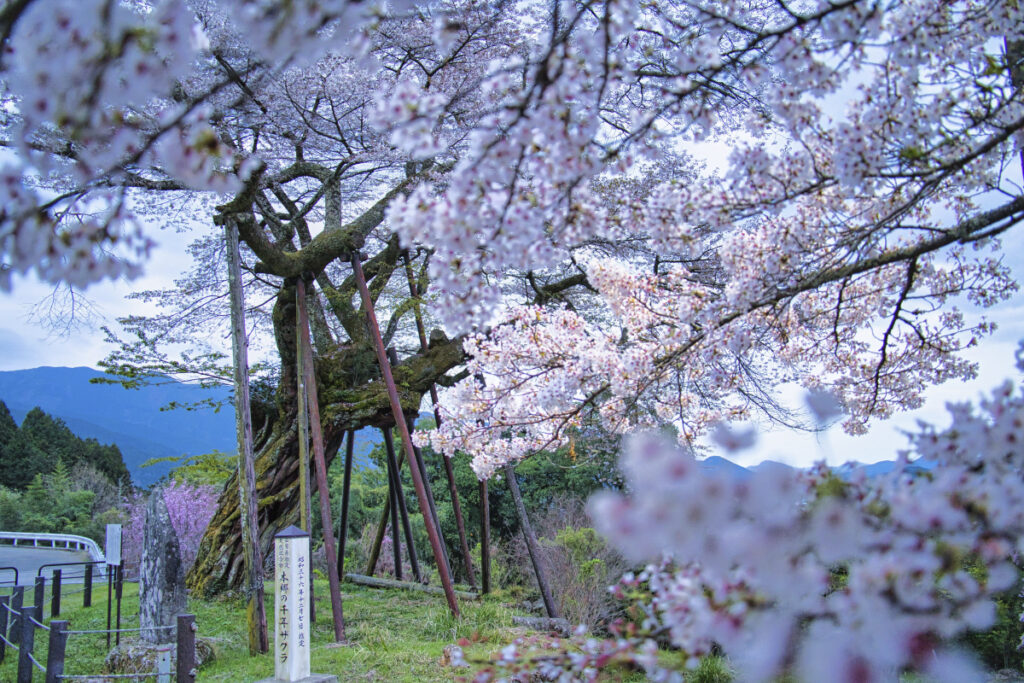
110,598
430,497
345,486
485,537
449,471
389,447
403,430
382,526
87,595
28,639
17,605
5,604
321,469
396,531
55,653
40,594
55,594
118,586
186,664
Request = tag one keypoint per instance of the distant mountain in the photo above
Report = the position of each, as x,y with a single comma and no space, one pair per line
132,418
845,471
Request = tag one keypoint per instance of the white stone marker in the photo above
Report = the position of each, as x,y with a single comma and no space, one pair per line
291,610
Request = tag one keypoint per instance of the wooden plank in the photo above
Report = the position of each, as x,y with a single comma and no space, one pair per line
378,582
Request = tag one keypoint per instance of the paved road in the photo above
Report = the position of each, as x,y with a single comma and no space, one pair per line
29,559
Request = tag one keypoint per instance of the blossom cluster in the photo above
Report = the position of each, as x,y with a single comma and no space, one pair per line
801,573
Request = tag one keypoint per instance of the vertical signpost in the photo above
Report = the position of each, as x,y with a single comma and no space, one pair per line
291,609
112,557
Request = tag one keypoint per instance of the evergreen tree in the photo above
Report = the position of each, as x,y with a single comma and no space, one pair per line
7,425
21,460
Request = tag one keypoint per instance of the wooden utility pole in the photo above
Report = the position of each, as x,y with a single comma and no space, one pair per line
321,466
252,559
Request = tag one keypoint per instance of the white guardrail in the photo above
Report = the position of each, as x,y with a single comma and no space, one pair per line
56,541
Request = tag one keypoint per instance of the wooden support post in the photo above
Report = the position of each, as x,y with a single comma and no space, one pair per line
29,616
55,653
305,495
345,486
403,430
531,543
321,469
55,593
87,594
40,594
252,556
485,537
453,491
186,649
389,447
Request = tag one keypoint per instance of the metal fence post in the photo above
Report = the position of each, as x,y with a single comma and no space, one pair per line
17,607
28,637
55,654
5,601
87,598
40,594
186,665
55,593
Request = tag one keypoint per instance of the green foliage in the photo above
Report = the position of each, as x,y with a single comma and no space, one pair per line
998,646
206,469
42,441
711,669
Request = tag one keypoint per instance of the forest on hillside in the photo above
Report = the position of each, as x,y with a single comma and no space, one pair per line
51,480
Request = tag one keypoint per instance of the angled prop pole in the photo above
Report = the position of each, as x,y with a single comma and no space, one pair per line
253,558
453,491
317,434
403,430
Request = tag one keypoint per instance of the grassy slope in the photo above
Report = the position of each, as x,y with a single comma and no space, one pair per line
394,635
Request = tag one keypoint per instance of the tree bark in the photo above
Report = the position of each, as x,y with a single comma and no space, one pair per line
351,397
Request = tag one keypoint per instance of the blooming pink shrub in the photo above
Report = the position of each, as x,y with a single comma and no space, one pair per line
191,508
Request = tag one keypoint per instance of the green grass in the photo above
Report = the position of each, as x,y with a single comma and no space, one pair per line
393,635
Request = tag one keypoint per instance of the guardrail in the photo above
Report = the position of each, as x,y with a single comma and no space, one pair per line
56,541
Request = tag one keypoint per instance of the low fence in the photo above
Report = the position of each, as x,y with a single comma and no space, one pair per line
55,541
19,625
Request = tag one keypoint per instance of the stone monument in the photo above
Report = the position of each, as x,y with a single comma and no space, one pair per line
162,594
291,610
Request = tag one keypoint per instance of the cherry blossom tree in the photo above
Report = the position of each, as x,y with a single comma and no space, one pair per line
538,164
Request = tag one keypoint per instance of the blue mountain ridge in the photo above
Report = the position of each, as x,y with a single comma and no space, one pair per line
132,418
